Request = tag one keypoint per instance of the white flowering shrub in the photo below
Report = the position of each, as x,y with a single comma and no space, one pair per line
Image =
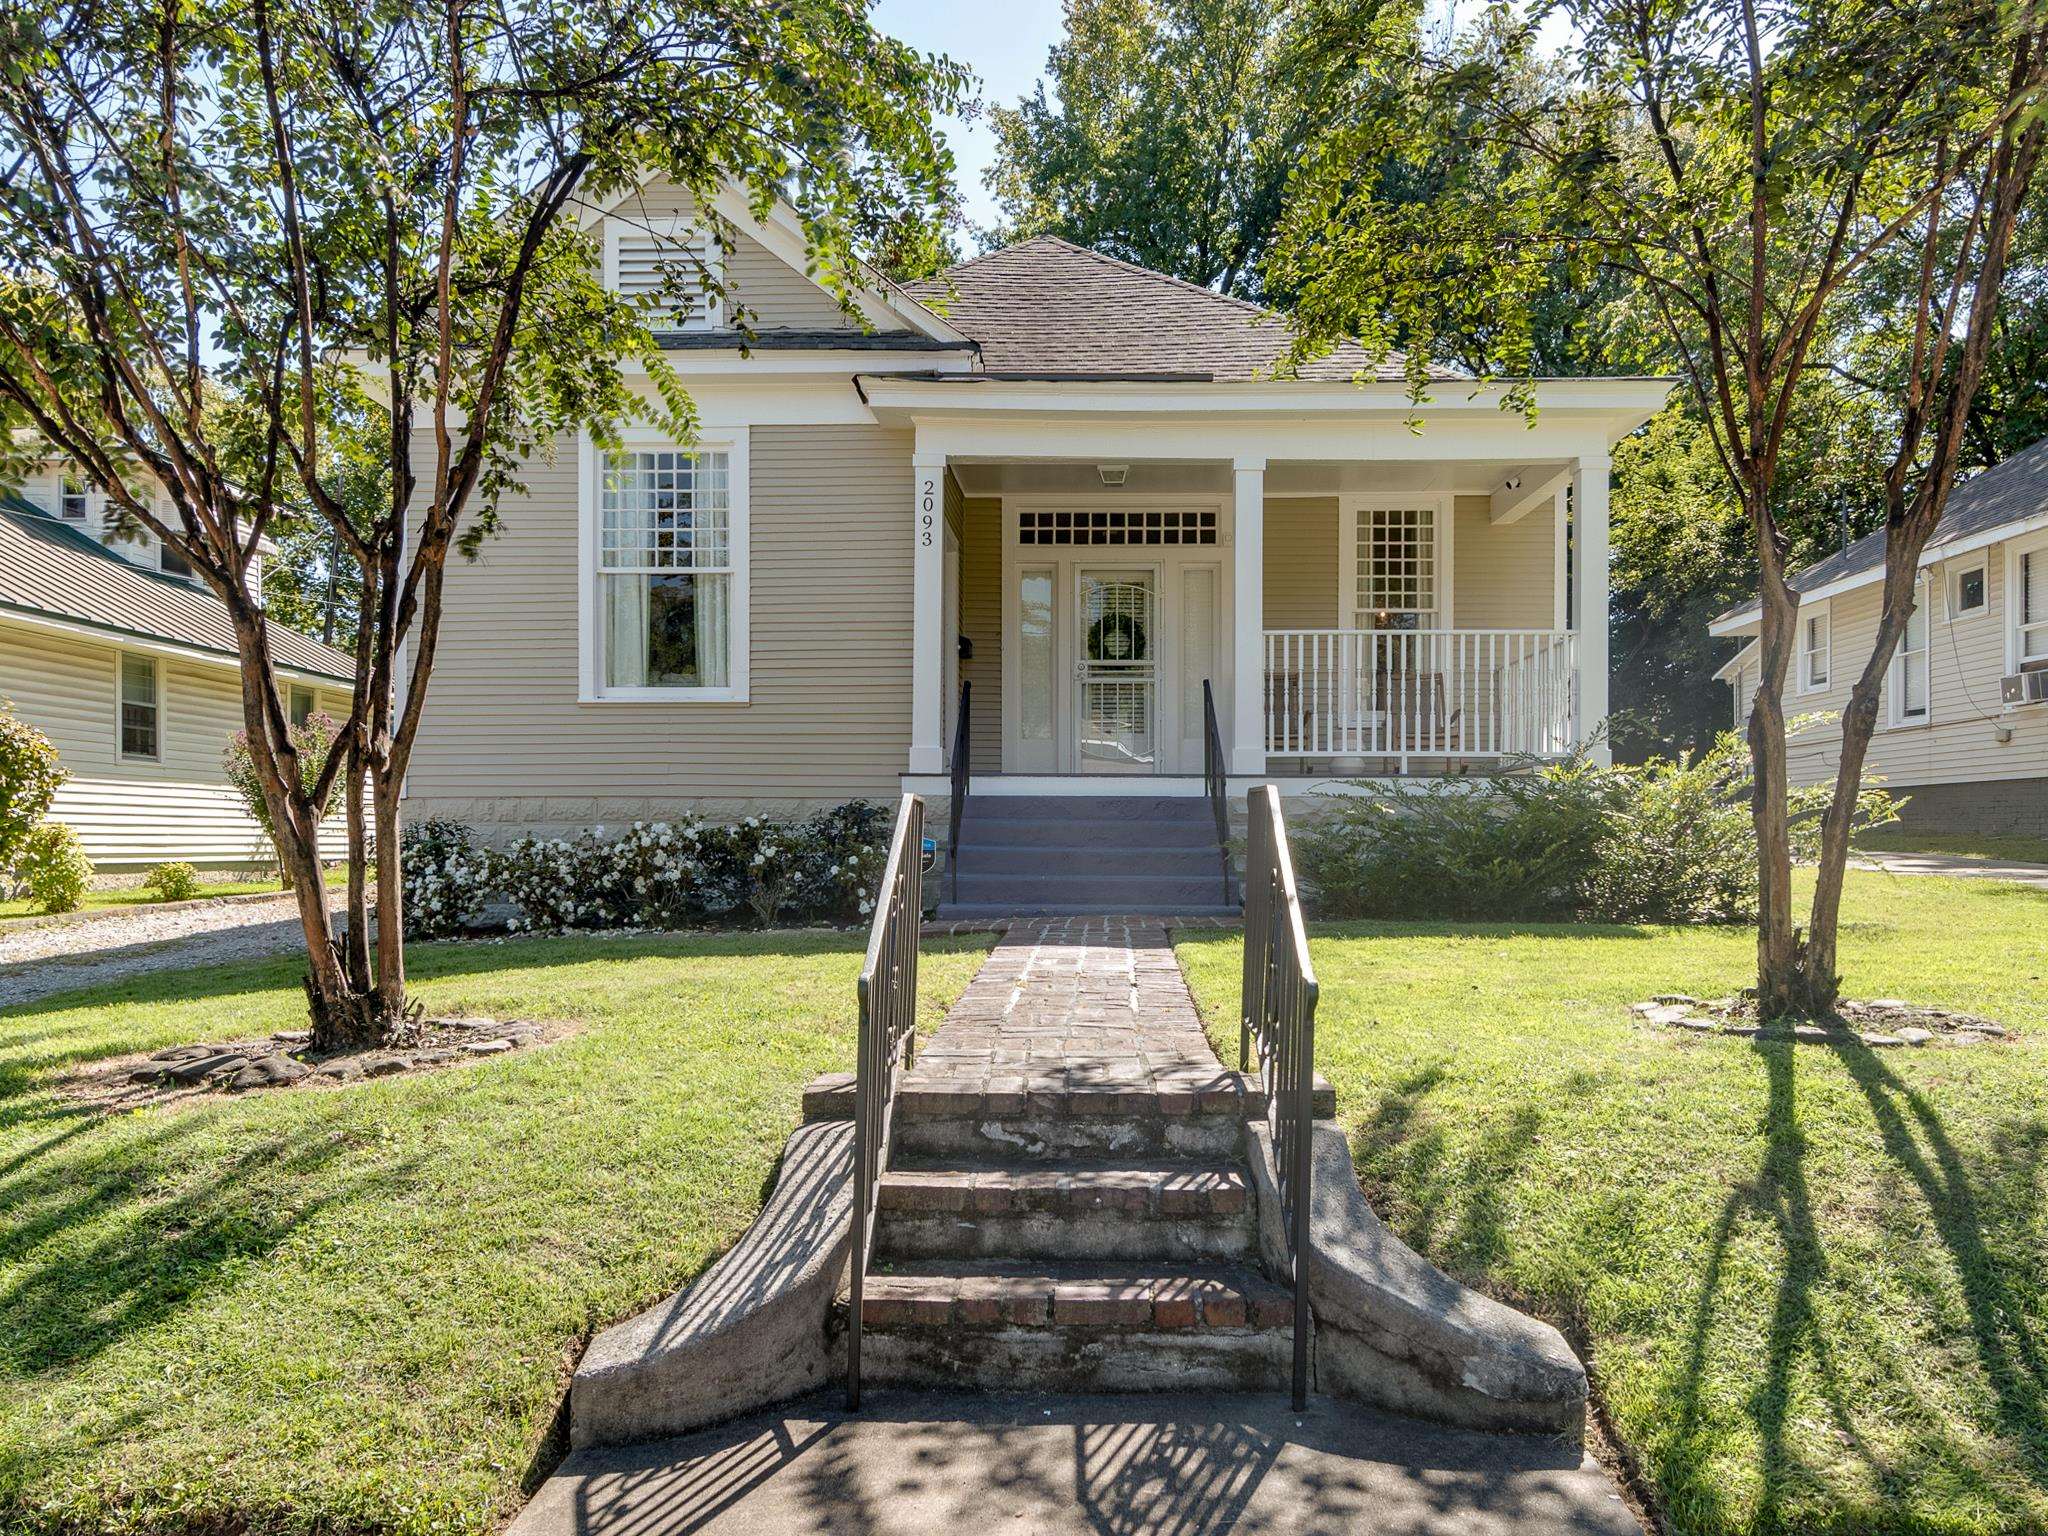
688,873
446,877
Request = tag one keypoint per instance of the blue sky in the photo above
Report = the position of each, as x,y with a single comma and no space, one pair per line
1002,41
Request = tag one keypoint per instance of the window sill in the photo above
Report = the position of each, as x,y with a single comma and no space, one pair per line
666,696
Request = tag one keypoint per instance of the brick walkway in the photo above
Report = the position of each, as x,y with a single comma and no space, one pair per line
1065,1004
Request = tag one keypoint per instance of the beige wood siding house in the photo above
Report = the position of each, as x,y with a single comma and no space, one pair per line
133,677
1064,481
1963,725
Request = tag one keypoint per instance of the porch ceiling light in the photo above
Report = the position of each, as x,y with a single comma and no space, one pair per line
1113,474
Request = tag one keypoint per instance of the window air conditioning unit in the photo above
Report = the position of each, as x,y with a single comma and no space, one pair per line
2025,687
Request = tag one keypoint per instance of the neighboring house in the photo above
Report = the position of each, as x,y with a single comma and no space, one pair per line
1066,480
1963,725
127,663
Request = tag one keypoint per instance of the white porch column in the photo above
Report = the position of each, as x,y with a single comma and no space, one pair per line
928,612
1248,610
1589,593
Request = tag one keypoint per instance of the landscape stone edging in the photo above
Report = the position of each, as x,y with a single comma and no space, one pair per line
1392,1330
753,1329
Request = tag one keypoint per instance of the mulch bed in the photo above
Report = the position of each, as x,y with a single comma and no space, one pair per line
186,1072
1883,1023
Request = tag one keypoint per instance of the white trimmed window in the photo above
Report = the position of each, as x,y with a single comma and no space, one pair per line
663,263
669,598
1394,567
299,704
72,503
1968,594
171,563
1816,648
1745,696
141,708
1910,680
2029,603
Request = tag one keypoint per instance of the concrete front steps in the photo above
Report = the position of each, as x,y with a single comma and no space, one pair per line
1070,855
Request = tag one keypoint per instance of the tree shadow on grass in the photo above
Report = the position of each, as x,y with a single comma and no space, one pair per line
98,1249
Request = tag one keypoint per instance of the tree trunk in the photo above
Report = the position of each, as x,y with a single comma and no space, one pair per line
390,983
1778,943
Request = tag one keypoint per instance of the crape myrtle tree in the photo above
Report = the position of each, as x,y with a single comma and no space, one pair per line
309,208
1779,186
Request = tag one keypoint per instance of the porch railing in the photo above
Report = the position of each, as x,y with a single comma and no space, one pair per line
1216,780
1470,693
958,807
888,1043
1278,1020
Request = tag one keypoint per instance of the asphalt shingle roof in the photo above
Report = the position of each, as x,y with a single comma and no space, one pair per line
1047,307
2005,493
49,567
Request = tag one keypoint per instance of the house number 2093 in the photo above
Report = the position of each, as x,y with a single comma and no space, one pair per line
927,521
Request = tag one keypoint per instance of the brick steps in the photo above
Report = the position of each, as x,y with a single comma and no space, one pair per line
1167,1212
1205,1297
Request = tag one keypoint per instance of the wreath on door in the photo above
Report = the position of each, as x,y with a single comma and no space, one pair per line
1117,637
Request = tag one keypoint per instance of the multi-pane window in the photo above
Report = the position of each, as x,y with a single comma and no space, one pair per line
141,708
1814,651
71,499
2030,609
1395,578
1909,669
665,569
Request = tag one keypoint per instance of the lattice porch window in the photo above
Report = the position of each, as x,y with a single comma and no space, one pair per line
1396,576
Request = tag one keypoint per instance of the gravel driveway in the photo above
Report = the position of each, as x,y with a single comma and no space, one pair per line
38,960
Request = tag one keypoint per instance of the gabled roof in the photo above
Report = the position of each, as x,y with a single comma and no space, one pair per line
52,570
1995,503
1047,308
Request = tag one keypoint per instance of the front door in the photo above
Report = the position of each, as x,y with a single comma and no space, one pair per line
1116,671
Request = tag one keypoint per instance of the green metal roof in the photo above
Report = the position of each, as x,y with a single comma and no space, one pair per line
49,568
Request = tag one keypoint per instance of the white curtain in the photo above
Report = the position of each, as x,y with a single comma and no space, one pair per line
625,631
714,595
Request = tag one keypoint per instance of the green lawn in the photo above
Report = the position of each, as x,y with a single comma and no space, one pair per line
353,1310
136,896
2013,846
1812,1284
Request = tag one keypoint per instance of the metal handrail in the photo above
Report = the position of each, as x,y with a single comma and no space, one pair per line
958,809
888,1045
1279,1017
1216,779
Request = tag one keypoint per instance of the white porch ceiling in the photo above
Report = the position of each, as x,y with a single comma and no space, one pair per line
1284,477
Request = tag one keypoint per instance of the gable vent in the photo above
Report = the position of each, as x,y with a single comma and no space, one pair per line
661,271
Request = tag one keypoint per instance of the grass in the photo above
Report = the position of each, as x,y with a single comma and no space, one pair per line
1812,1283
136,896
2014,846
353,1310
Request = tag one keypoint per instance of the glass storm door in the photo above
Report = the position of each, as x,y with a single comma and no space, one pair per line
1116,671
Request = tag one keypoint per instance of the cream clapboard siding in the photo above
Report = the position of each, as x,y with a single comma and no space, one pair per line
1502,576
130,814
981,621
1967,659
776,295
1301,575
504,739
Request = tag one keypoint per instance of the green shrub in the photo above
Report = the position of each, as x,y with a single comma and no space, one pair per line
29,777
313,741
446,877
1667,841
172,882
53,869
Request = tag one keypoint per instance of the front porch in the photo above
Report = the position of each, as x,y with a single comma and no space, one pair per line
1344,620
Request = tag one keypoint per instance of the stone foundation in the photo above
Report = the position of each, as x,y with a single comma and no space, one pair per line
1998,807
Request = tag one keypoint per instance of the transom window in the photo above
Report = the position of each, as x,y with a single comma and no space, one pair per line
665,569
1395,574
1117,525
1815,651
141,708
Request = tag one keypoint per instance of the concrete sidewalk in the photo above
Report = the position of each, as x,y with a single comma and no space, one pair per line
1952,865
932,1464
